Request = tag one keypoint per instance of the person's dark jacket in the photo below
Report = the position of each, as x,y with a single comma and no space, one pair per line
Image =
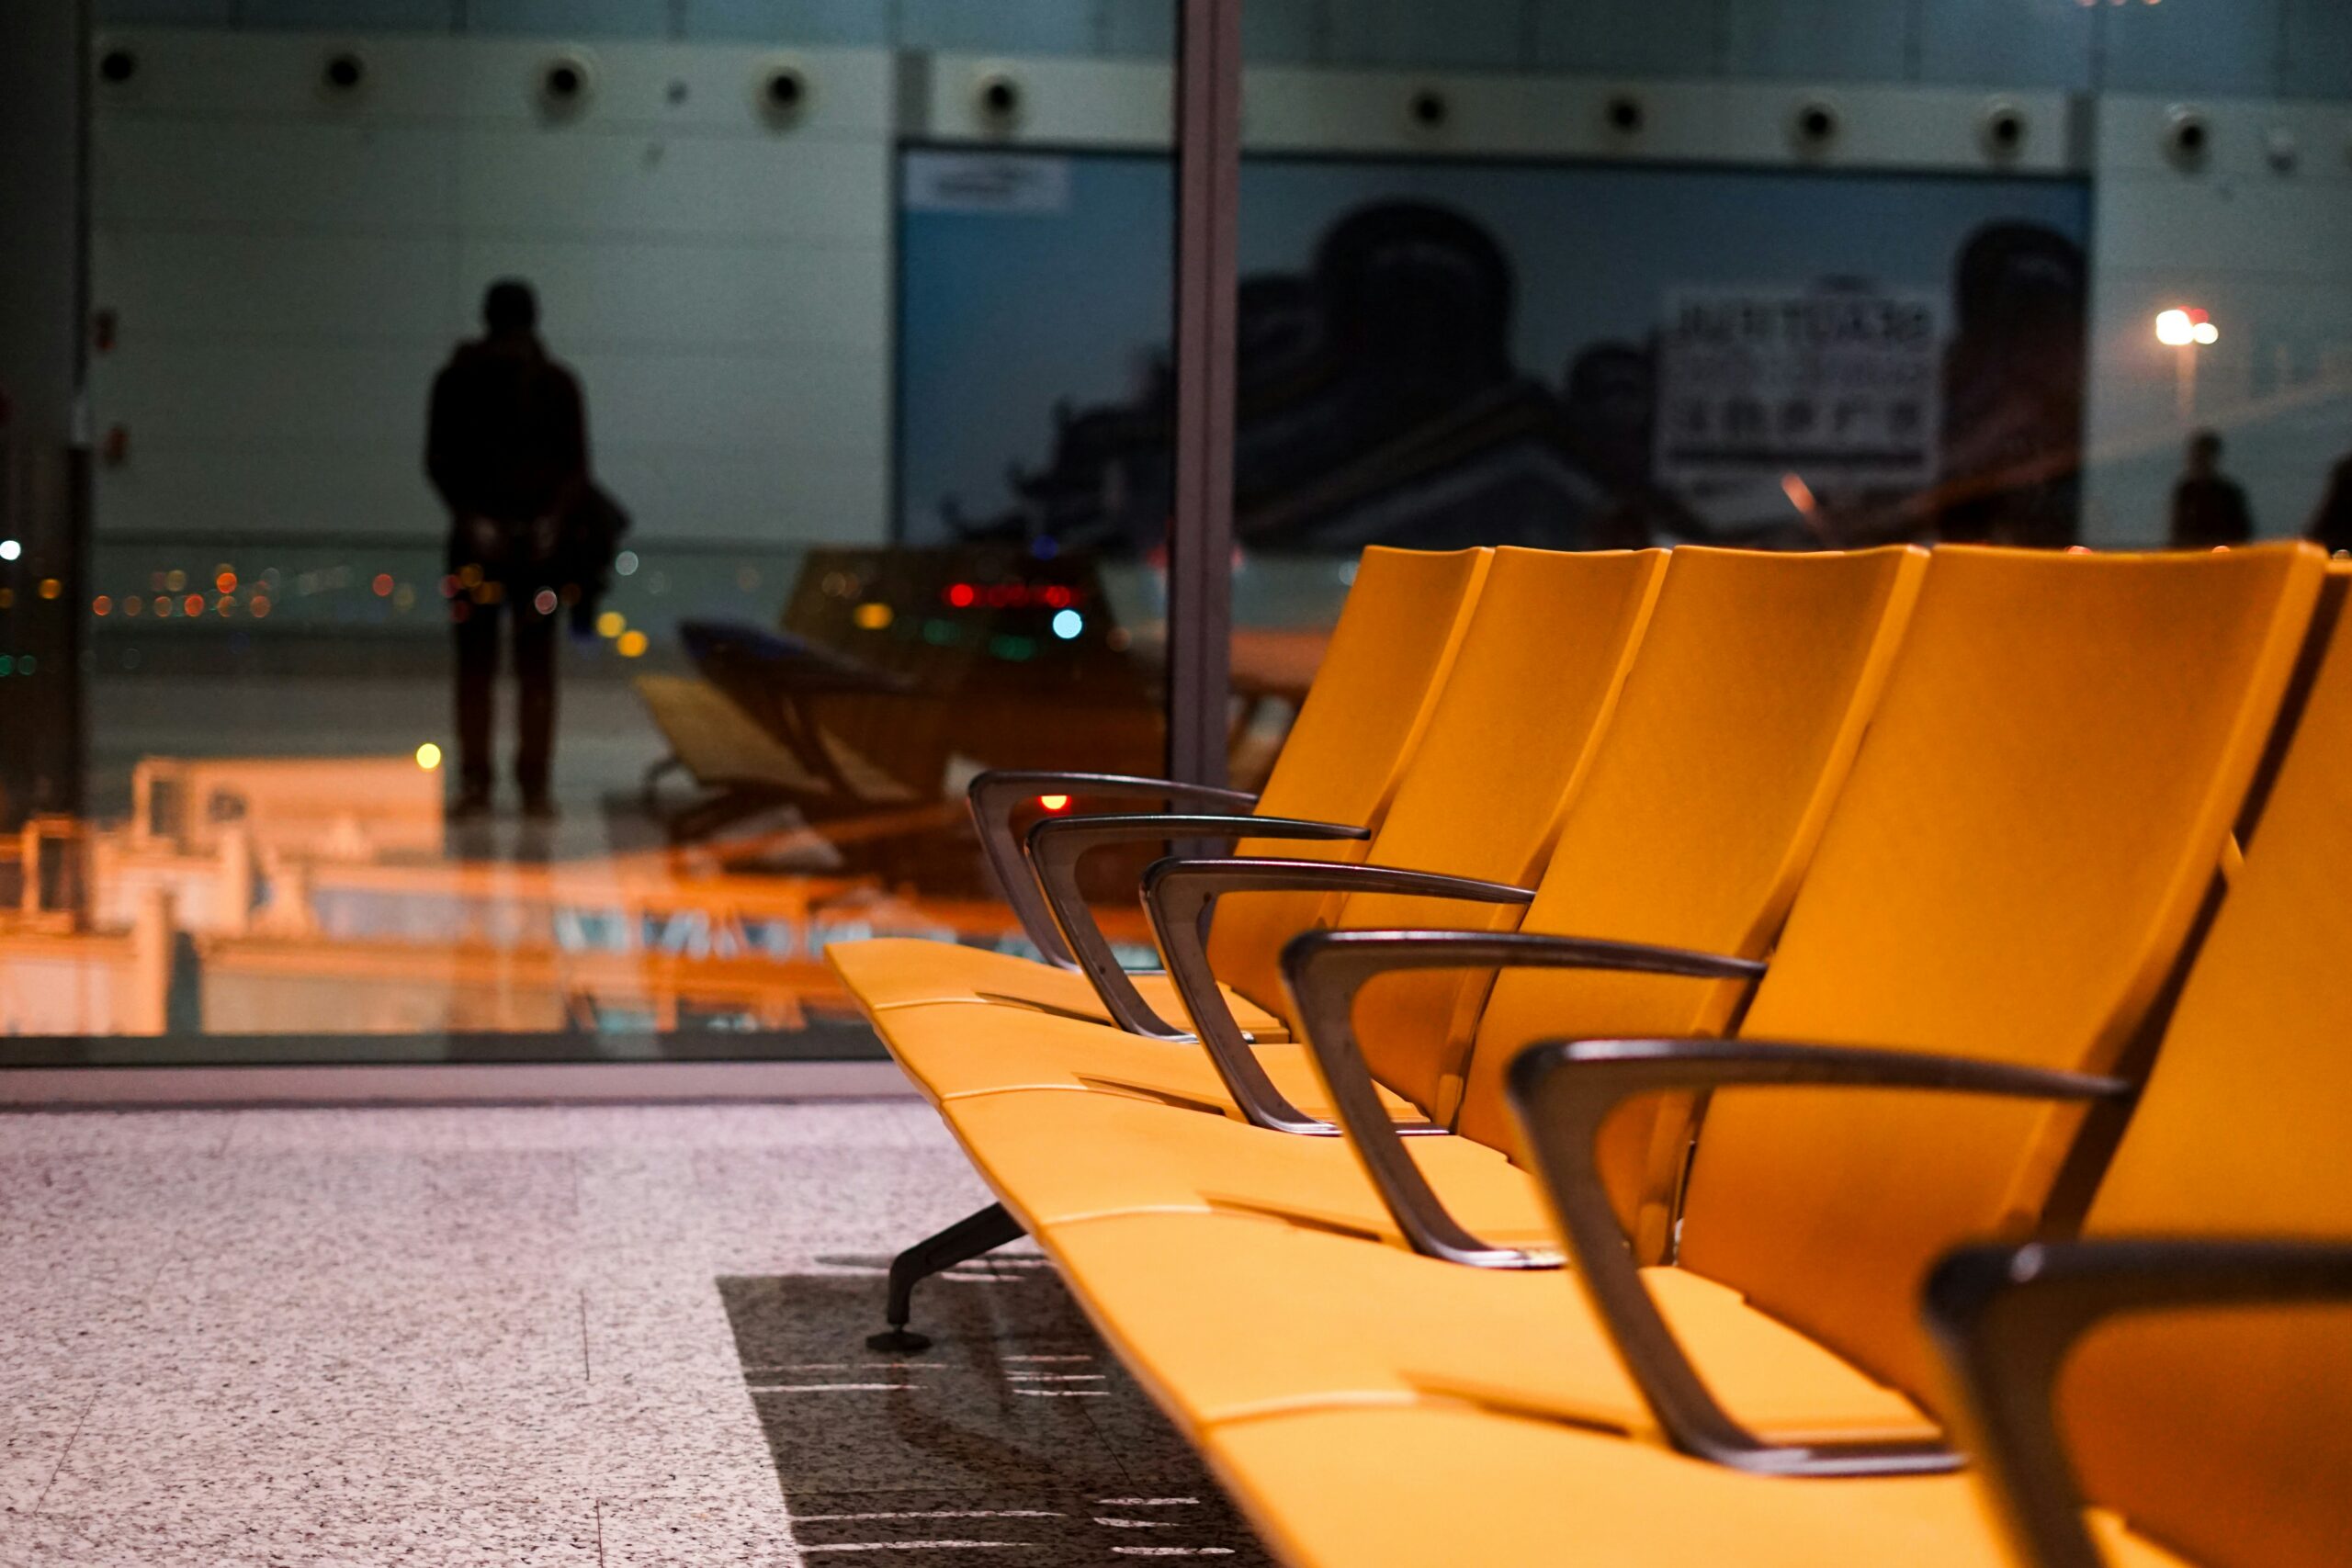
2331,523
2209,511
507,448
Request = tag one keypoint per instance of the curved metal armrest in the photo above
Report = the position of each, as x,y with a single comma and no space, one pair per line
993,797
1058,843
1179,896
1324,970
1562,1092
2006,1317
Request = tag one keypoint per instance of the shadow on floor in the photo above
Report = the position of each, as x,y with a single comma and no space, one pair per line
1016,1430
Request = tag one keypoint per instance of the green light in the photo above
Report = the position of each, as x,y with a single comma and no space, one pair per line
7,665
939,634
1018,649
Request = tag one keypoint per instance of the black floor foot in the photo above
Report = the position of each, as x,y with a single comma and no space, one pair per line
960,1243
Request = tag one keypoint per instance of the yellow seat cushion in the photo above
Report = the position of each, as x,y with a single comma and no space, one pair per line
897,972
956,1050
1272,1317
1364,1488
1056,1157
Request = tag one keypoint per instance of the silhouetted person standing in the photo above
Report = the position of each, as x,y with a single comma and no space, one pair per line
2331,523
507,448
2207,509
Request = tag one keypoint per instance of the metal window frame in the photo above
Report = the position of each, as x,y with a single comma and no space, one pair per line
1199,543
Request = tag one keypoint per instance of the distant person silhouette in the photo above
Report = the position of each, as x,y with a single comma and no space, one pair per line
2207,508
2331,523
507,448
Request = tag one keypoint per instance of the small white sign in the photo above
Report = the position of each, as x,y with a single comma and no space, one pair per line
986,182
1839,386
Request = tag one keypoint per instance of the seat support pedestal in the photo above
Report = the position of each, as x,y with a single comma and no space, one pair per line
967,1238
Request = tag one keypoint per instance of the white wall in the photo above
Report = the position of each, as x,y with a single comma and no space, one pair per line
287,273
2266,248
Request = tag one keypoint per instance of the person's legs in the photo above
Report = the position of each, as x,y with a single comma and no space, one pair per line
476,639
535,649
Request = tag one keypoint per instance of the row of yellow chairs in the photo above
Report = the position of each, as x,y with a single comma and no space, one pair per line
1717,1058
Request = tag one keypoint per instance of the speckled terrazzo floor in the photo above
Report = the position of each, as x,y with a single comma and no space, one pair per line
592,1335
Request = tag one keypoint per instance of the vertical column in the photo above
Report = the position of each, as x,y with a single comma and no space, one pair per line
1199,546
43,461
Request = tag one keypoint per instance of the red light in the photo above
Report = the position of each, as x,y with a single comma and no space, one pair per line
1054,802
1057,598
961,595
193,604
102,604
383,585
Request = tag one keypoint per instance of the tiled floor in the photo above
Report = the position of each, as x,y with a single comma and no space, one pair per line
542,1336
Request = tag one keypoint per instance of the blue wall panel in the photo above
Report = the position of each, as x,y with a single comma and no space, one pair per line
2318,50
2227,50
1634,38
2007,43
1826,40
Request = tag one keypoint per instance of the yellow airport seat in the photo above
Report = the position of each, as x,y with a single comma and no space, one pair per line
1742,709
1287,1319
2198,668
2051,777
2227,1432
1396,1488
1545,653
910,972
1363,719
1538,671
1735,726
1055,1158
955,1050
2209,1430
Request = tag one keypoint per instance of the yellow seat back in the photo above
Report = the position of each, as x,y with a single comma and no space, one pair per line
2227,1435
1545,654
1362,718
2035,815
1738,721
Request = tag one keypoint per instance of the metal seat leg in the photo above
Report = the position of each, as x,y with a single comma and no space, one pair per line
967,1238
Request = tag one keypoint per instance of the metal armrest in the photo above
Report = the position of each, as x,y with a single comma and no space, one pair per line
2006,1318
1324,970
1055,846
1562,1092
1179,896
993,797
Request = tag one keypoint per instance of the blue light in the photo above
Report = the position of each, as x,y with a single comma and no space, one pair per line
1068,624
